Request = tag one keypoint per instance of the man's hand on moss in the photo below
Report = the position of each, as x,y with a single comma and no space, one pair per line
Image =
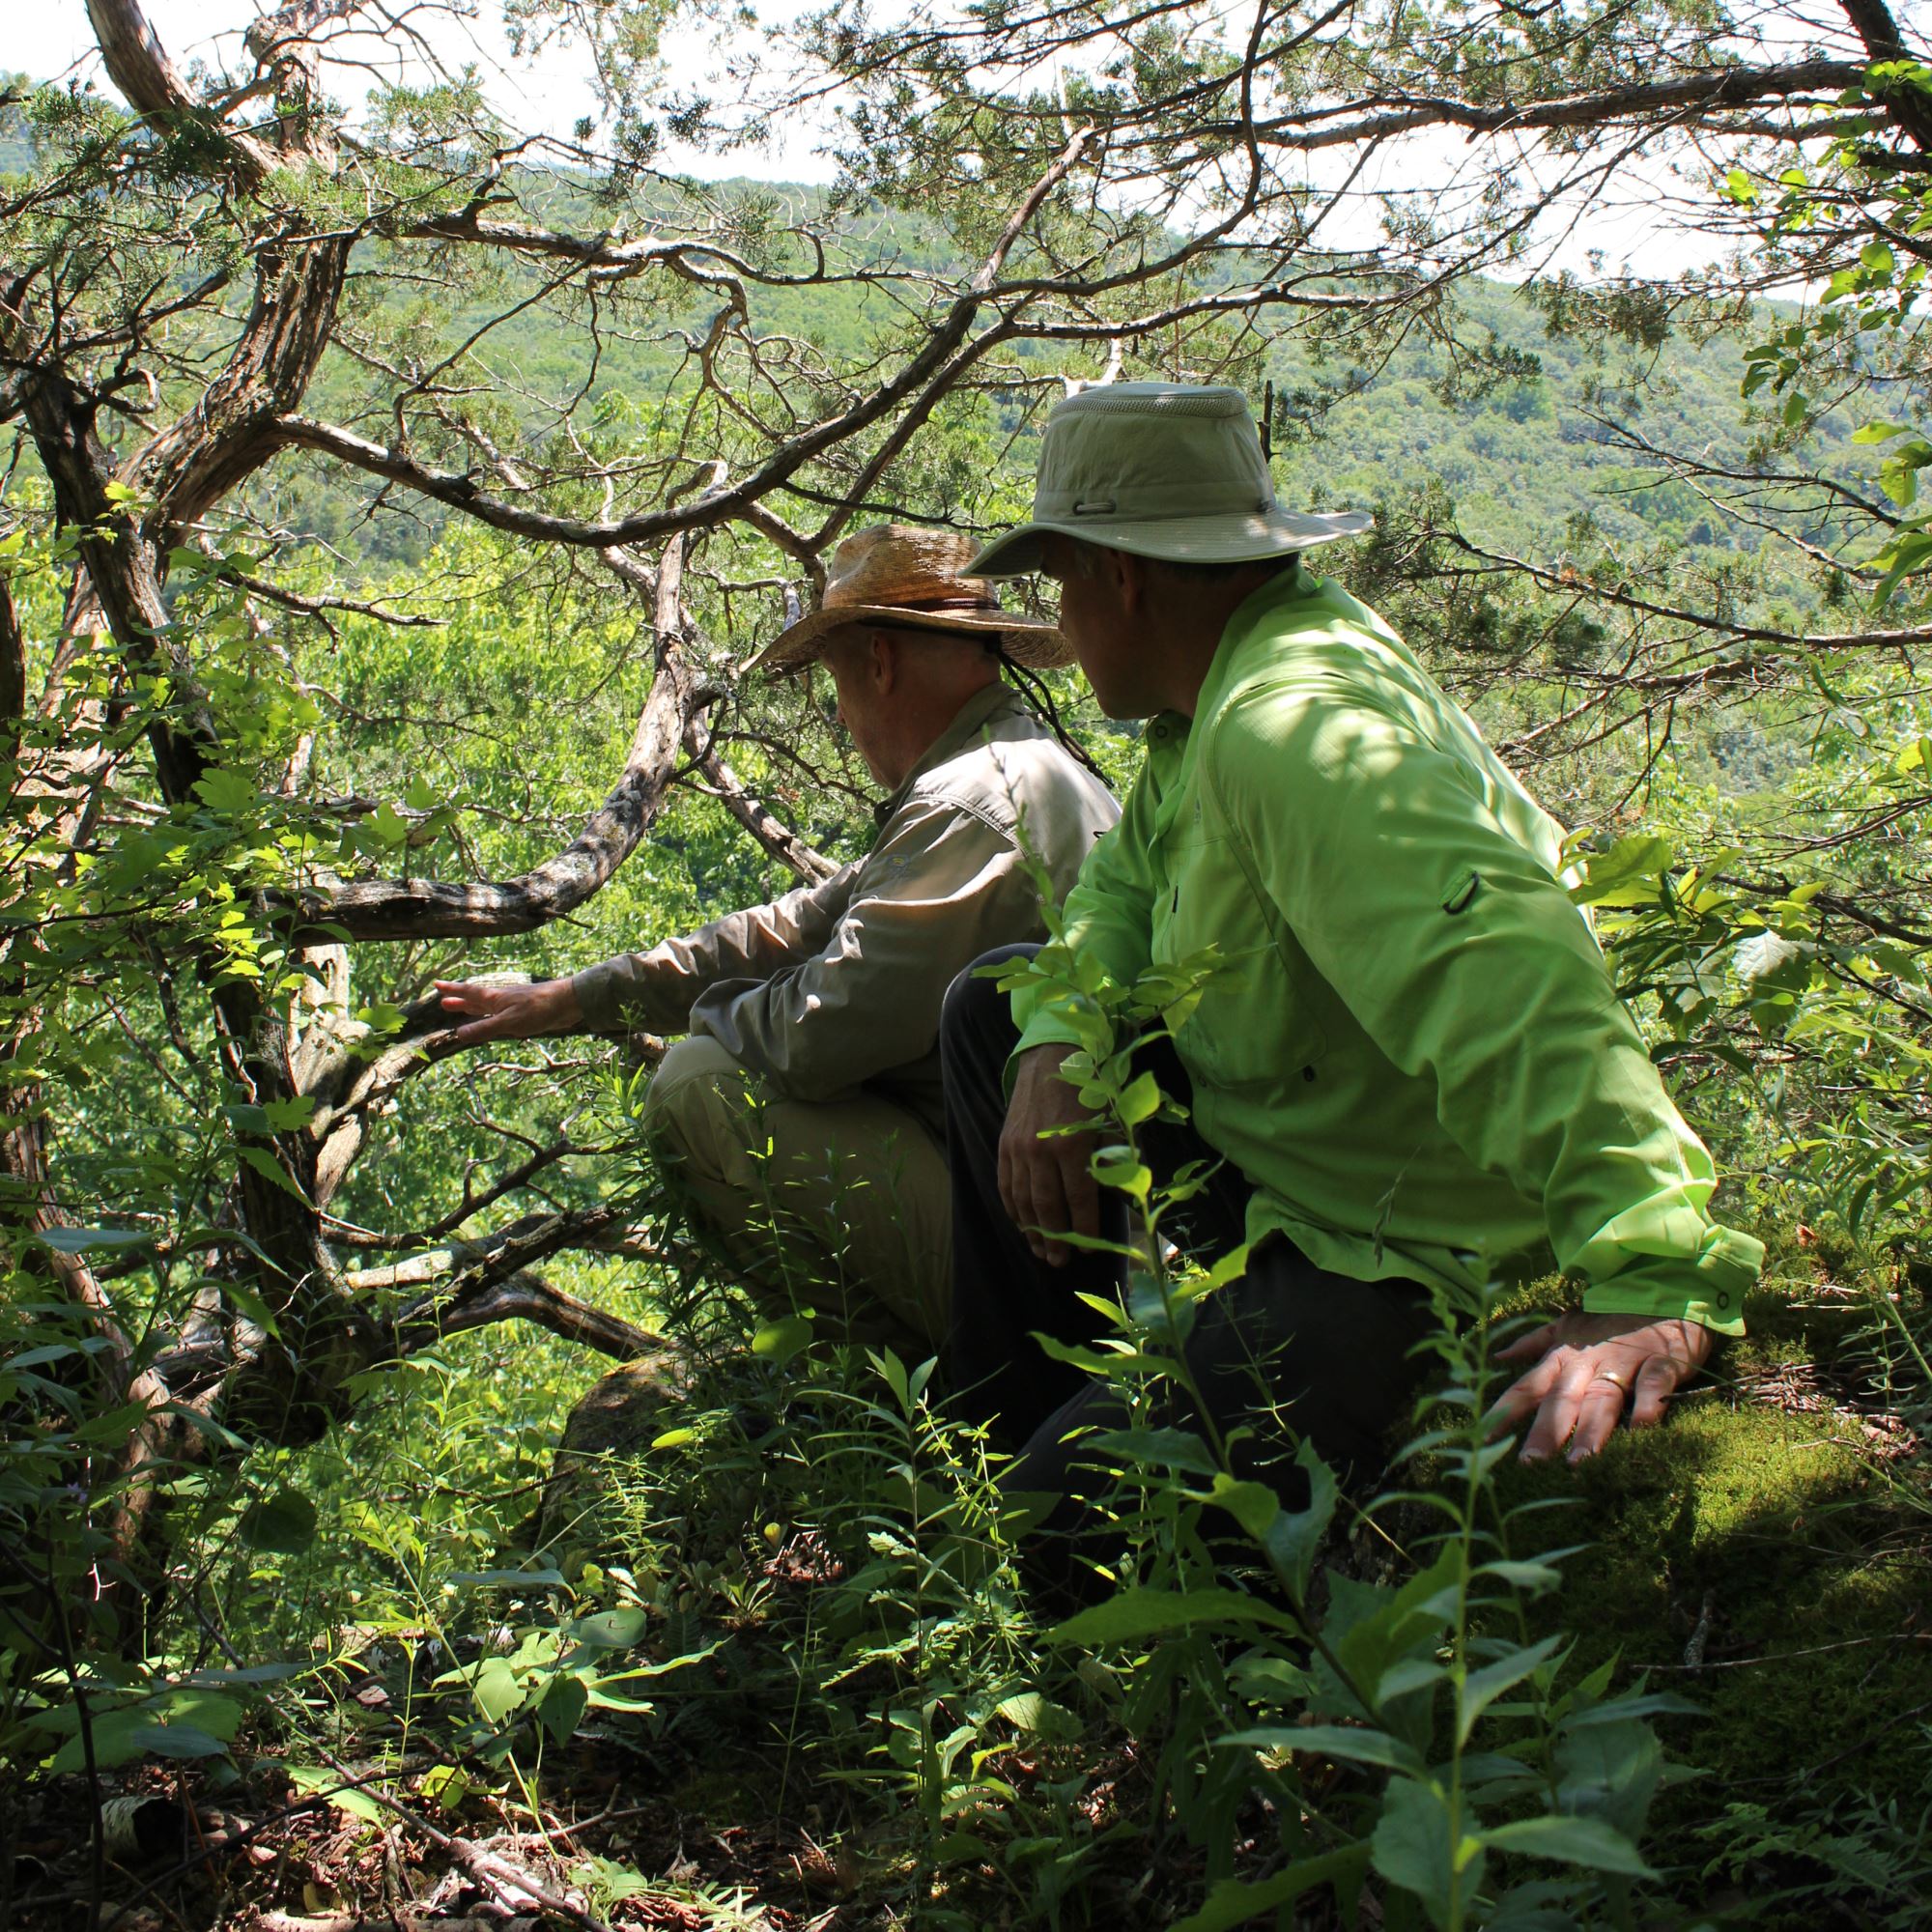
1588,1367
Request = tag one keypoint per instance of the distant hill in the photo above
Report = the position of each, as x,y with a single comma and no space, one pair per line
1524,453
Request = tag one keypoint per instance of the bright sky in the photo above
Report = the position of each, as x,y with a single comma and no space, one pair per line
49,38
53,38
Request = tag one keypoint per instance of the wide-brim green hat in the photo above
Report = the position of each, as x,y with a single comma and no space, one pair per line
1163,470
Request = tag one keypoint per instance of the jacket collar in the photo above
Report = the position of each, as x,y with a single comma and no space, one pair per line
1288,586
973,717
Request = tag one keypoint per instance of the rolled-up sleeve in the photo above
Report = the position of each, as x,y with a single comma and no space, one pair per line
942,887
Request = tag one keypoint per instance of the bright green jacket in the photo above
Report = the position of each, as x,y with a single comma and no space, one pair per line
1417,1056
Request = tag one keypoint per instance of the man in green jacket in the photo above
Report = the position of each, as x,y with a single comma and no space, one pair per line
1413,1067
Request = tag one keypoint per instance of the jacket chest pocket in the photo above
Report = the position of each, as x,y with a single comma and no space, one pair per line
1259,1019
1193,910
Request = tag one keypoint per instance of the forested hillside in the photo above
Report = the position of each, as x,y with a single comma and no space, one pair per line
1514,406
406,1516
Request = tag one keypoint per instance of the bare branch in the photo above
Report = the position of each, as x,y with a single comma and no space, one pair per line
522,1297
432,909
316,607
771,832
1304,131
139,64
1627,600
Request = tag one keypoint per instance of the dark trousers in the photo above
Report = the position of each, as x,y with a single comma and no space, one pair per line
1289,1348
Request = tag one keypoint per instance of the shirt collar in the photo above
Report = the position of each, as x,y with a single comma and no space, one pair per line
973,717
1170,728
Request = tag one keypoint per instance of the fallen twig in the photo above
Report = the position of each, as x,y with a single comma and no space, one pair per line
496,1873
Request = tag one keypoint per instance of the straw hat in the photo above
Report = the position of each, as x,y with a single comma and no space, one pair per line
1163,470
898,574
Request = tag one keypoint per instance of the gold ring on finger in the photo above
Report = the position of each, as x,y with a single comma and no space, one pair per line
1615,1380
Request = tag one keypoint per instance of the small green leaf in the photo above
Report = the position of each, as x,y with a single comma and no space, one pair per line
95,1241
319,1783
447,1785
777,1341
1352,1744
497,1689
179,1741
1414,1844
1236,1901
1482,1688
1141,1102
610,1629
1642,857
1575,1841
48,1351
1162,1448
226,789
1138,1613
1037,1716
1131,1177
1253,1505
270,1169
562,1708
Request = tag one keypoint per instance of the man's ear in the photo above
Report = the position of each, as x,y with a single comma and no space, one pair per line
1127,578
882,663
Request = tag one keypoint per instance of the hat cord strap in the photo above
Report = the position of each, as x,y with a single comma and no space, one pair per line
1033,689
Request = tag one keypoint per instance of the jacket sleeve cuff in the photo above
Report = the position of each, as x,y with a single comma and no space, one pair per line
1710,1289
602,994
1046,1028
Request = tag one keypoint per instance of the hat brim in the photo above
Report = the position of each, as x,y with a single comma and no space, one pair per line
1212,539
1032,641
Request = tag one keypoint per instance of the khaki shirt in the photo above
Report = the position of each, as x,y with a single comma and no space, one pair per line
840,983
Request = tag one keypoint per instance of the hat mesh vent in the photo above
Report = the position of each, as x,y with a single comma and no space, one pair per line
1112,402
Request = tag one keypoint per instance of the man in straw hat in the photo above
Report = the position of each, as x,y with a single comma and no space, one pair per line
1413,1069
802,1112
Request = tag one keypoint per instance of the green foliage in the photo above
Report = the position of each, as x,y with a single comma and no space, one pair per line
1466,1750
804,1596
1841,211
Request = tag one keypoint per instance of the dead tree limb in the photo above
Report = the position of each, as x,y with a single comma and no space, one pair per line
435,909
751,812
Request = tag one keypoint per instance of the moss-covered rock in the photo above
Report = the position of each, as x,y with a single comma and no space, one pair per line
1767,1553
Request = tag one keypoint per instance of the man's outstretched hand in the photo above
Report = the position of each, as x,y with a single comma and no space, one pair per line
509,1010
1587,1367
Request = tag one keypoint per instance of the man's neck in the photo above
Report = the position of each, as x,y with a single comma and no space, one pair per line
1194,628
935,722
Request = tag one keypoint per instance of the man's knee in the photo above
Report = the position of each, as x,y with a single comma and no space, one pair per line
697,1090
975,1007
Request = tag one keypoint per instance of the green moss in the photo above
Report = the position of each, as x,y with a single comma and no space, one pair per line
1806,1565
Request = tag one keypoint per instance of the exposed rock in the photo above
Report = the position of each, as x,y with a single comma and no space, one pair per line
617,1417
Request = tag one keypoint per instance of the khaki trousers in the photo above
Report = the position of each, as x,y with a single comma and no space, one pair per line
843,1207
